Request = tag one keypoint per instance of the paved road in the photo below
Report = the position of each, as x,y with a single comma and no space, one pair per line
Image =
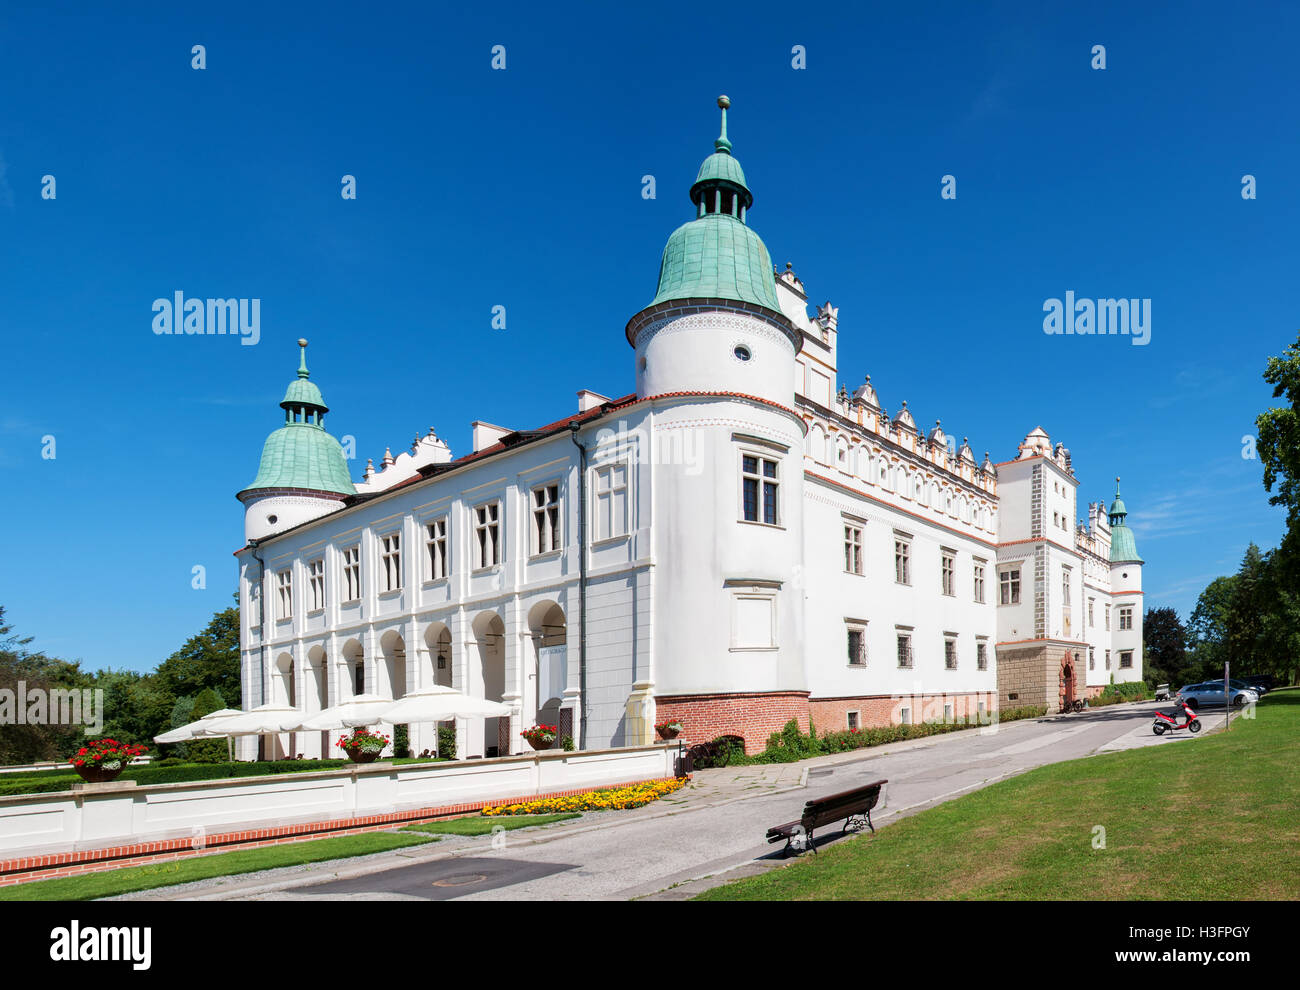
681,844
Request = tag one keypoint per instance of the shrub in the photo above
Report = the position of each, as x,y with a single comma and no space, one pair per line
447,742
401,742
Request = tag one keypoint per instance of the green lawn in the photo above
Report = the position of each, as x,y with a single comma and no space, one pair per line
1214,819
483,826
133,878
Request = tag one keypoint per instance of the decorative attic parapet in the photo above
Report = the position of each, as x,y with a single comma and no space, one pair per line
425,450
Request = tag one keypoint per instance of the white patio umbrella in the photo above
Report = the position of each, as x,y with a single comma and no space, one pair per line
265,720
184,733
261,721
440,704
358,712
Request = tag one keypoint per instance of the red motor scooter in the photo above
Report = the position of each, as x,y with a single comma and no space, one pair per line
1169,721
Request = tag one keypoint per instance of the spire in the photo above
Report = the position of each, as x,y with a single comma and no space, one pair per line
1123,547
722,144
303,373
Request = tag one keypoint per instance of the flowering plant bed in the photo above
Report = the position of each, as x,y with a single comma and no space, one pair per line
104,759
363,746
606,799
541,736
670,729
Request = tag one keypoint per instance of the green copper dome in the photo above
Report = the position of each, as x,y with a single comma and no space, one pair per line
721,167
300,454
717,255
1123,547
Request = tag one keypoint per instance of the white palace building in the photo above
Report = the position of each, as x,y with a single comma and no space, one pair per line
737,543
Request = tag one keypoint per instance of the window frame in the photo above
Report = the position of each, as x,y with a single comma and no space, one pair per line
761,480
316,584
437,548
608,497
389,545
351,571
485,520
546,519
1010,591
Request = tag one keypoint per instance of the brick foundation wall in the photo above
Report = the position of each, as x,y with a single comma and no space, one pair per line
752,716
831,714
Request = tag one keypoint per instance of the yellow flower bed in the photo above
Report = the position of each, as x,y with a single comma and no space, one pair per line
609,799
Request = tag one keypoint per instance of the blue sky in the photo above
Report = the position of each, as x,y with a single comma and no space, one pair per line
522,188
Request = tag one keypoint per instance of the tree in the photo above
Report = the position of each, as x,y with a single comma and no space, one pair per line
1278,445
1164,646
23,672
208,660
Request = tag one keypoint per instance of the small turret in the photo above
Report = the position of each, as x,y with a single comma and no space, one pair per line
303,473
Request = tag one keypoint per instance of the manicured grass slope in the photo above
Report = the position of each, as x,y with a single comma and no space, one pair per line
1214,819
132,878
477,825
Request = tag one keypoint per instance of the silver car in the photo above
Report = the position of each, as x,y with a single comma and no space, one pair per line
1211,694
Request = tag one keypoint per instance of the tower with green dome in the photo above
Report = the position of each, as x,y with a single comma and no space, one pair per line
1126,594
303,473
714,322
1123,547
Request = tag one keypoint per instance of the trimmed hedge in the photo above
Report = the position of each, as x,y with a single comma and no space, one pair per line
47,782
1113,694
790,745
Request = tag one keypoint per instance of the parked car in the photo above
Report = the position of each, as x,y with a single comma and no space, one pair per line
1266,681
1210,694
1241,684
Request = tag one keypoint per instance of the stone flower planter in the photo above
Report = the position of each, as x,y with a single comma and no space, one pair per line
541,743
665,732
361,756
102,774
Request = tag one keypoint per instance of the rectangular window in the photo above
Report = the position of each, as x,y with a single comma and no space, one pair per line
487,535
1092,658
316,584
390,560
753,620
255,604
1126,617
1009,580
904,650
352,573
1108,659
950,654
435,545
853,548
947,567
611,501
857,646
759,483
853,721
285,586
1108,621
979,581
902,561
981,656
905,716
1125,659
546,519
1091,603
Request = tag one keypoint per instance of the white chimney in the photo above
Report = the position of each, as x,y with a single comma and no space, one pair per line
485,434
587,399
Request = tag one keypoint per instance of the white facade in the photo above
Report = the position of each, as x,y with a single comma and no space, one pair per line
757,545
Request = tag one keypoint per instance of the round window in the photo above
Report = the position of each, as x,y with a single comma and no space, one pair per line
742,353
272,519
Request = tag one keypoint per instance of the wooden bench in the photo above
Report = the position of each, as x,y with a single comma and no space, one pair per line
853,806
